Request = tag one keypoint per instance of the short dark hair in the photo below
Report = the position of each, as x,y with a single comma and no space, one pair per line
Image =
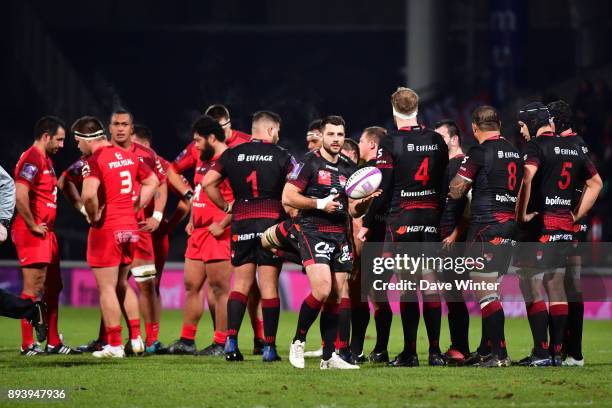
206,125
451,125
121,111
375,133
352,146
332,120
315,125
143,132
267,115
217,111
47,124
486,118
561,114
87,125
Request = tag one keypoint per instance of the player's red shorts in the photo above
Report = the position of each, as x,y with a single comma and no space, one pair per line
161,246
202,246
32,249
144,247
110,247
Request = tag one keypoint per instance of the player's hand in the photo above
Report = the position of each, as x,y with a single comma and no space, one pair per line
98,216
328,204
448,242
40,230
529,217
367,200
148,225
189,228
3,233
361,235
216,229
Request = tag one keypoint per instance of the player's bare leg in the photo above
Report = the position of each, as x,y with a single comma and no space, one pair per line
268,282
130,308
144,274
493,321
33,285
532,288
244,277
256,315
107,280
554,283
219,274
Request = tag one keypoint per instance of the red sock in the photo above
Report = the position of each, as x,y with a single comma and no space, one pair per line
258,329
52,301
134,328
189,331
27,337
114,335
152,330
220,337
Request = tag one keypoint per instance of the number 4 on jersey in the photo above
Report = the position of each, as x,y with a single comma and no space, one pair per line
422,173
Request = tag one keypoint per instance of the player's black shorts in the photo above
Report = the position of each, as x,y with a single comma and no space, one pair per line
494,243
246,246
329,248
541,248
377,232
286,234
417,225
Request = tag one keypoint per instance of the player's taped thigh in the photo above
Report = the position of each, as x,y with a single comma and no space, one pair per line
144,273
268,238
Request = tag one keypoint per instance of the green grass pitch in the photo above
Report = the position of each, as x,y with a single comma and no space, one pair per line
211,382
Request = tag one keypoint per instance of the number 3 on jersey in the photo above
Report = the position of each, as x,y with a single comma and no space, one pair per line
252,178
422,173
126,182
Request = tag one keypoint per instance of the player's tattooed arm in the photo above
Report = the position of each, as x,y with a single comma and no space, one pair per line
459,186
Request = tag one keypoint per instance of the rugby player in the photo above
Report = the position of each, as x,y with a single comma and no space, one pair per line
373,230
313,136
418,159
493,170
453,224
150,217
256,172
317,190
554,168
110,176
208,248
33,235
561,114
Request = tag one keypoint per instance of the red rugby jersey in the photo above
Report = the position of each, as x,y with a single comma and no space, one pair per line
35,170
119,172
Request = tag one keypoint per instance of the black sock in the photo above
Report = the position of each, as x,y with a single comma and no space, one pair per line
344,325
383,316
485,339
493,320
432,316
458,325
575,318
189,342
537,314
236,306
558,321
271,313
410,314
360,317
329,328
308,314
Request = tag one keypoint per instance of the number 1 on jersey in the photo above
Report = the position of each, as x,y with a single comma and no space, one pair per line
422,174
252,178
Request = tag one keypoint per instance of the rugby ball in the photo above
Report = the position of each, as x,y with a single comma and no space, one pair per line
363,182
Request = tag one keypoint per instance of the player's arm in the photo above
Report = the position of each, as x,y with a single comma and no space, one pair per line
71,193
211,183
176,181
524,194
592,187
159,200
384,163
293,197
22,203
148,187
89,195
459,186
7,196
358,207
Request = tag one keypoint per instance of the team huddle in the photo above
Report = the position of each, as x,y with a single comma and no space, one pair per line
251,206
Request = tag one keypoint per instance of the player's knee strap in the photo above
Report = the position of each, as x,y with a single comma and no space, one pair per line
488,299
269,235
144,272
484,275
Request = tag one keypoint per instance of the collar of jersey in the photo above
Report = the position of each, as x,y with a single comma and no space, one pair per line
549,134
494,137
409,128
